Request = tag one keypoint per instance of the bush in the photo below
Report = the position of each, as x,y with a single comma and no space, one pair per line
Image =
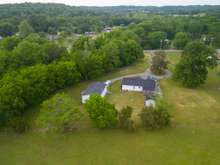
102,113
125,121
159,63
59,114
19,124
155,118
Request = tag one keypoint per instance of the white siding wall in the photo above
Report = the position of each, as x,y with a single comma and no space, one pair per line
150,103
132,88
104,92
85,98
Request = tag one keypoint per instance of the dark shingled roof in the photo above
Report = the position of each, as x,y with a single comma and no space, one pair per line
147,84
94,88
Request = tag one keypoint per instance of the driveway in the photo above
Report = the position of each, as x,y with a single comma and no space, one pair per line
148,72
144,75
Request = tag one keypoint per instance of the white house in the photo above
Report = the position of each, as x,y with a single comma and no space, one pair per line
91,34
98,88
138,84
108,29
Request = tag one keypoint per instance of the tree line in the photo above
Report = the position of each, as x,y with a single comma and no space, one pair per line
161,32
154,29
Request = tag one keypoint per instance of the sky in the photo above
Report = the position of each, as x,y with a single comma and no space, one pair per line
121,2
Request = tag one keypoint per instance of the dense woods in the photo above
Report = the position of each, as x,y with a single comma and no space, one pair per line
154,23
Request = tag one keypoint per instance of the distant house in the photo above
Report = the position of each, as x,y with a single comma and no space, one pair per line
52,37
95,88
1,38
138,84
90,33
108,29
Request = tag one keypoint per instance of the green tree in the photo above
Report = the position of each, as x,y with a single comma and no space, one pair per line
192,69
25,28
156,39
102,113
27,54
59,113
180,40
159,63
9,43
111,56
155,118
90,65
28,86
54,51
124,118
7,29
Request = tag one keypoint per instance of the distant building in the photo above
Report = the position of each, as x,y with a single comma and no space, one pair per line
90,34
1,38
138,84
108,29
52,37
95,88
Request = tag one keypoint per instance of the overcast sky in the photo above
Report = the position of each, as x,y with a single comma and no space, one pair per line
122,2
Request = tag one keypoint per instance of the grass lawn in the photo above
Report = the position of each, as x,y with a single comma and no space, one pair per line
172,59
123,99
192,139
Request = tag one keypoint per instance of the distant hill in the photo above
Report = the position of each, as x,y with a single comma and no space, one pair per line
61,9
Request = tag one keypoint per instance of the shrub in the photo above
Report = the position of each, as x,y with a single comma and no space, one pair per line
59,114
102,113
155,118
19,124
125,121
159,63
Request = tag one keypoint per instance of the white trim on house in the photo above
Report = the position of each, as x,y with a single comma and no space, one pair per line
132,88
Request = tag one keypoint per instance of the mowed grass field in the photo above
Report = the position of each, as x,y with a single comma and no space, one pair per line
192,139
